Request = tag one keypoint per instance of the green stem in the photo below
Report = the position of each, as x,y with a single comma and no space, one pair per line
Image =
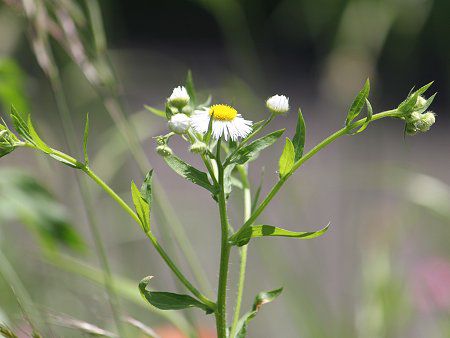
341,132
221,310
243,250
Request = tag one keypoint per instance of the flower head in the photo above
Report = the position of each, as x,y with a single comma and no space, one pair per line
278,104
179,97
418,122
179,123
226,122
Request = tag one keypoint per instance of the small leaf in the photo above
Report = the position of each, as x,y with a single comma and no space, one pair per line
261,299
36,139
20,125
286,161
251,151
228,179
368,118
255,231
207,136
155,111
299,137
358,103
142,207
169,300
64,161
258,190
146,188
190,173
85,140
191,88
427,104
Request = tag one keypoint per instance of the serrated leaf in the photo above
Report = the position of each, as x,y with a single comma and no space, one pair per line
142,207
286,161
157,112
190,87
358,103
299,137
251,151
169,300
189,172
36,139
85,140
255,231
261,299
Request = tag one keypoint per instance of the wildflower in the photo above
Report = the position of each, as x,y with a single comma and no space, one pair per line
198,148
179,97
278,104
164,150
226,122
179,123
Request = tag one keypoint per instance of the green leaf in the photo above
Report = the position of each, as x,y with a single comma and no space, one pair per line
64,161
368,118
258,190
36,139
85,140
255,231
299,137
228,179
12,85
155,111
20,125
169,300
190,173
142,207
191,88
146,188
427,104
407,106
261,299
251,151
286,161
358,103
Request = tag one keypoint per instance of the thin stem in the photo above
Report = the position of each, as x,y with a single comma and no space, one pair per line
330,139
243,250
221,310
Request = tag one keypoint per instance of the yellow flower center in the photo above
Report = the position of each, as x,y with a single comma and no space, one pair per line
223,112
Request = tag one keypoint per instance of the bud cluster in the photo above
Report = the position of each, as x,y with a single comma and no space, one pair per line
418,121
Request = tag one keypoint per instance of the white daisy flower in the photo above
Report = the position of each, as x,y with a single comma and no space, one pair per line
278,104
226,122
179,123
179,97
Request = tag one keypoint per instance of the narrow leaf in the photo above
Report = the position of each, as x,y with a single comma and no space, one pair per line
155,111
64,161
189,172
191,88
146,188
358,103
286,161
36,139
258,190
299,137
169,300
251,151
368,118
269,230
407,105
20,125
142,207
85,140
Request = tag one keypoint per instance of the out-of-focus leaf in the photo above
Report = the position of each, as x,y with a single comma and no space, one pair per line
261,299
85,140
251,151
268,230
258,190
358,103
190,173
155,111
24,198
299,138
190,87
141,206
286,161
169,300
12,88
36,139
6,332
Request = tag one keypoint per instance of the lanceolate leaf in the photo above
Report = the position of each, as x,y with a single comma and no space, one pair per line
268,230
286,161
368,118
146,188
299,137
36,139
261,299
169,300
251,151
358,103
191,88
155,111
407,106
189,172
20,125
142,207
85,140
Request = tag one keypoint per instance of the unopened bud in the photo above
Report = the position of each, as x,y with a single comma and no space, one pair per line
179,97
164,150
421,101
198,147
179,123
187,110
278,104
425,123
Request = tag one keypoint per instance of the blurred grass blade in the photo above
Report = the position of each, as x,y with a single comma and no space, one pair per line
299,137
85,140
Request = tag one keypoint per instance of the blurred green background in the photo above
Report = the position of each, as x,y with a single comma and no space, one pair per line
382,270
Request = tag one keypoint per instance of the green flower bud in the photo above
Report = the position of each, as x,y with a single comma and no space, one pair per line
420,102
179,97
187,110
426,121
198,148
164,150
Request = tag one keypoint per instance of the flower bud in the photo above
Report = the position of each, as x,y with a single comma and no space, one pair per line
198,148
179,97
278,104
187,110
179,123
426,121
164,150
421,101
